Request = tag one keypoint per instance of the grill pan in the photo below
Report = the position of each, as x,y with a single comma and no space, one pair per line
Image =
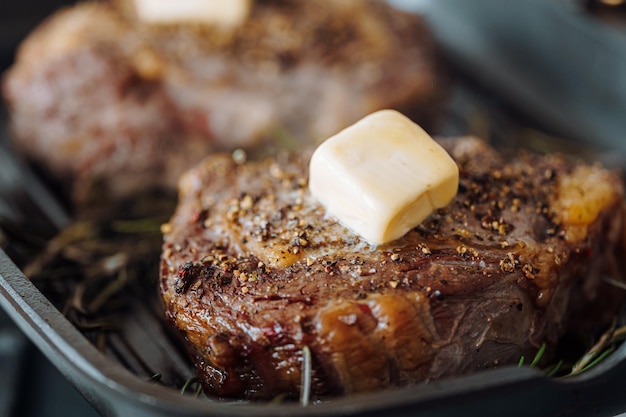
120,380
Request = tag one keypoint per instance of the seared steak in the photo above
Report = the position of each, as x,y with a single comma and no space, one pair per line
98,97
254,270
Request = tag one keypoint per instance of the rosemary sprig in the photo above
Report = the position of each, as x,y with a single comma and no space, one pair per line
538,356
189,383
536,359
110,290
555,369
305,392
93,269
606,344
597,353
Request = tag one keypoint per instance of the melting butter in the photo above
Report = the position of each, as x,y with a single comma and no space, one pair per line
382,176
225,13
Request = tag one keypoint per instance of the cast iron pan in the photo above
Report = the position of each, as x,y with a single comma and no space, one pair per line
120,380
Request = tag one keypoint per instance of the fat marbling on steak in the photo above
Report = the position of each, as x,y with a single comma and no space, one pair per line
254,270
97,97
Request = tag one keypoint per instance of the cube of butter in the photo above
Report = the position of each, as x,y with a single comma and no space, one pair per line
225,13
382,176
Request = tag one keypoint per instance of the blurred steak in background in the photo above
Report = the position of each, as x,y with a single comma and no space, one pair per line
111,105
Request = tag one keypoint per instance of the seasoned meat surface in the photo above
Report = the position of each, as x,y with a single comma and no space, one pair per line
254,270
100,98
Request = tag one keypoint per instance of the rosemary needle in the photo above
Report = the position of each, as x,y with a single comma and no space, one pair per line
188,384
538,356
305,392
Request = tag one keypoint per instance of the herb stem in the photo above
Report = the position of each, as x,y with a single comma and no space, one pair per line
555,369
538,356
109,291
305,392
188,384
599,359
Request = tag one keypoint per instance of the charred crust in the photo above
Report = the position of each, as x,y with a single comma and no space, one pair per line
186,274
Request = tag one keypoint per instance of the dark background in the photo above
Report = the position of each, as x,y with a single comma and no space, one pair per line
17,18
